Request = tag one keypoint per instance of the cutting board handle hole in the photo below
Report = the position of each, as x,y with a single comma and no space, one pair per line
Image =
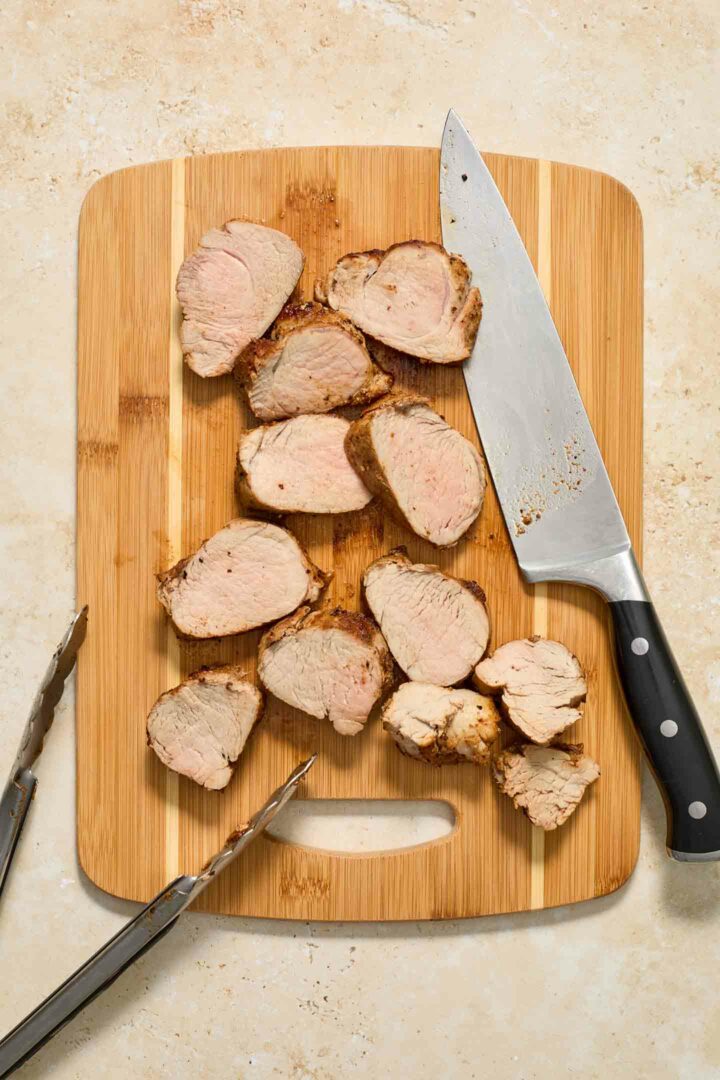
363,826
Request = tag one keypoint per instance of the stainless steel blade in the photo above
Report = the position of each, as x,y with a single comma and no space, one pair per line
50,692
559,506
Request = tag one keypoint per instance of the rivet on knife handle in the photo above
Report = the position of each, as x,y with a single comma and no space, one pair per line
562,516
670,729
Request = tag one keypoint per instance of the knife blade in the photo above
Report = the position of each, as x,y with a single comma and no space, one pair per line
560,510
146,929
21,784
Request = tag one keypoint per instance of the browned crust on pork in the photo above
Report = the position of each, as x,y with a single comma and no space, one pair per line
361,453
399,400
245,493
354,623
253,359
471,320
575,751
166,577
439,753
296,316
318,577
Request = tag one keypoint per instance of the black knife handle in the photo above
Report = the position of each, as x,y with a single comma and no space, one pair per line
671,731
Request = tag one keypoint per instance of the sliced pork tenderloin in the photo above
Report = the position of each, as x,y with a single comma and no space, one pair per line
545,782
299,465
231,289
430,478
436,625
330,664
247,574
313,361
542,686
441,725
199,728
415,297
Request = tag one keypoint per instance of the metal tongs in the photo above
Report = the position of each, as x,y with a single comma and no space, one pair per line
155,919
20,788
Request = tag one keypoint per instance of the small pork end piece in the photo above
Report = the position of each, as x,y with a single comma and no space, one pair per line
231,289
246,575
415,297
199,728
313,361
545,782
441,725
542,686
429,477
330,664
299,466
437,626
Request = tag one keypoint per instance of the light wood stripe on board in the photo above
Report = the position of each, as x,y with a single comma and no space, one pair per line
540,598
174,484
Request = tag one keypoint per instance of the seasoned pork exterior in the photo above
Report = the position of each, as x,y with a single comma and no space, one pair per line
546,782
428,476
442,725
436,625
299,465
247,574
415,297
231,289
313,361
330,664
542,685
199,728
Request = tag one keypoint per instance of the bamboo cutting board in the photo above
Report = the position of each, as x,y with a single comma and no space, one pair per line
156,449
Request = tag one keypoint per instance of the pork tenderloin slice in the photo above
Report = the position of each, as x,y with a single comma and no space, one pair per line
330,664
545,782
231,289
199,728
313,361
429,477
542,686
247,574
415,297
299,465
436,626
441,725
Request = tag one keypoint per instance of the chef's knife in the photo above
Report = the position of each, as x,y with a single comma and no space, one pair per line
20,788
135,938
559,507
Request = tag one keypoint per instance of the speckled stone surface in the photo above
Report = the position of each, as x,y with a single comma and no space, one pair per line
622,987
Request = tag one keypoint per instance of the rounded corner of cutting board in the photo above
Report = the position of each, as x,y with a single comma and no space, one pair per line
136,224
105,879
618,880
111,183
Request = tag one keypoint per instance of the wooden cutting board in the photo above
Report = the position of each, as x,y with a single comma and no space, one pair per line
156,449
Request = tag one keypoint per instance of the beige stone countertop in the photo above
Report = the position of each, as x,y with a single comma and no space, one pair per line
626,986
